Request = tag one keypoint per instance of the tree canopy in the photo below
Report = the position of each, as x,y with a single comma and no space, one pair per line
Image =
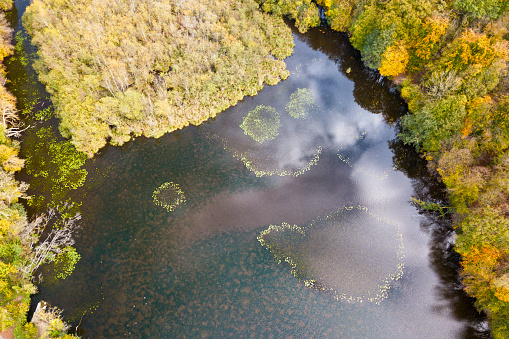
115,69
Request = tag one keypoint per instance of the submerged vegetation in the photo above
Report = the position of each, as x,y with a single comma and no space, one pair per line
271,131
149,67
301,103
22,249
129,68
262,123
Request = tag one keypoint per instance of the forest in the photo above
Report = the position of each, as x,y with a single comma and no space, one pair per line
128,68
132,68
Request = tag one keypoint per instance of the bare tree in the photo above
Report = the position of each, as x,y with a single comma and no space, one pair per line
55,242
441,84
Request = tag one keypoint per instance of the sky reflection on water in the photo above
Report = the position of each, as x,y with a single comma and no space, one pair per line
199,271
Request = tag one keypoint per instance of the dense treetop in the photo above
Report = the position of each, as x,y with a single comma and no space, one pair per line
152,66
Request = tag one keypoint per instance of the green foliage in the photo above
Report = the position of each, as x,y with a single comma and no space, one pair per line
56,164
463,179
486,229
161,67
16,234
376,44
338,13
481,8
304,12
65,262
262,123
20,39
44,114
430,206
434,122
364,26
25,331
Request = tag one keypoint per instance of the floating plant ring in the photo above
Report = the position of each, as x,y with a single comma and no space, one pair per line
263,166
361,258
169,196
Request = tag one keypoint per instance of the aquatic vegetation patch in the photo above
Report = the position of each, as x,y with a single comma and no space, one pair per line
262,123
169,196
264,163
360,169
302,101
351,253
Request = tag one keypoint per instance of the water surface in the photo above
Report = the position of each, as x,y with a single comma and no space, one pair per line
200,271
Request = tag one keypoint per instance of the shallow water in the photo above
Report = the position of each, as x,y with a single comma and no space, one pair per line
198,269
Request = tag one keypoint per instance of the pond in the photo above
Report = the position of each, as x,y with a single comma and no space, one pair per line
286,216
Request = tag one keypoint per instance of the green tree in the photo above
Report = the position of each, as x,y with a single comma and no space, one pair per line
481,8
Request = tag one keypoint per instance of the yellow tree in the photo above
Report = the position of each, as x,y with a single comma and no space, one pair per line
394,59
473,48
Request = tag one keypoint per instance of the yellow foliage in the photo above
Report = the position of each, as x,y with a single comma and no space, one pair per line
6,152
9,159
5,226
477,114
324,3
394,59
6,269
502,285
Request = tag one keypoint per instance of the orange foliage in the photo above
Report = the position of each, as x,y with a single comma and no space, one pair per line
473,48
434,28
481,262
502,293
467,129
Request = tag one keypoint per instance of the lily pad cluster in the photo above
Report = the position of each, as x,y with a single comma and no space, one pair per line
262,123
302,101
169,196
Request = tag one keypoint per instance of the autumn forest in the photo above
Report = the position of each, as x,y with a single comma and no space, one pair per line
123,69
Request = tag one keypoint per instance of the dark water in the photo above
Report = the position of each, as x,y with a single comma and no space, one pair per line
199,270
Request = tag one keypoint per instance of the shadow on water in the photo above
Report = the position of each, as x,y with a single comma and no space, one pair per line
372,92
140,277
377,94
444,260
